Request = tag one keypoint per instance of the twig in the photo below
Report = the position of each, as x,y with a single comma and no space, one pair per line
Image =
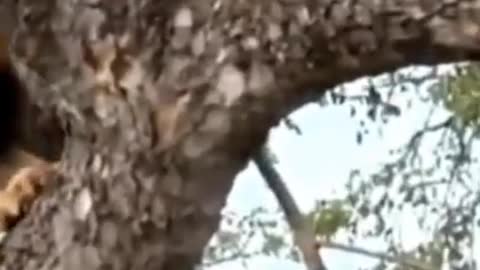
379,255
428,129
303,232
238,254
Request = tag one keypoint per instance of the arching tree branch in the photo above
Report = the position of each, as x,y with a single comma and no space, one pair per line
164,102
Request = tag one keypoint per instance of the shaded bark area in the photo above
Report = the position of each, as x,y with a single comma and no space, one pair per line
149,170
164,102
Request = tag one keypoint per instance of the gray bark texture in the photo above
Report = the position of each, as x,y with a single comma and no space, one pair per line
163,102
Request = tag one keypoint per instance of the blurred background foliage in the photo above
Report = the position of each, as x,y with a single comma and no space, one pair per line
433,178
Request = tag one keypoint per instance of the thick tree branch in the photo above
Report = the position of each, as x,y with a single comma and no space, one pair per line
303,232
164,102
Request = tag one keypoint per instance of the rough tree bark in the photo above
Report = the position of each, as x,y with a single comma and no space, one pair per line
163,102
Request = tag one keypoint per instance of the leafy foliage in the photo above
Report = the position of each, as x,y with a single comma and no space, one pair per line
430,180
241,237
328,217
462,97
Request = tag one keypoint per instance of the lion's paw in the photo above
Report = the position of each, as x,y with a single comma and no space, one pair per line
22,189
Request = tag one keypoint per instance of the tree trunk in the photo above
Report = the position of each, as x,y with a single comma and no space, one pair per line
163,103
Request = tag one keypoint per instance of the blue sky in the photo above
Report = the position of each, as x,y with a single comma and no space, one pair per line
317,164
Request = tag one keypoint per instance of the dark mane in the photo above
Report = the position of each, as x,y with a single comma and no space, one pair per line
11,109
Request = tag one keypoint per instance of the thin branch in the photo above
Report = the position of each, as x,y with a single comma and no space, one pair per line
238,254
379,255
427,184
234,256
419,134
303,232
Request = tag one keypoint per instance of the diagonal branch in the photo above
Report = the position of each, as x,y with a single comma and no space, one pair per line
303,232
